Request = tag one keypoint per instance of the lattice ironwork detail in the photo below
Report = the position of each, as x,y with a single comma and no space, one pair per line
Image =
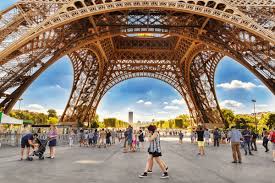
108,41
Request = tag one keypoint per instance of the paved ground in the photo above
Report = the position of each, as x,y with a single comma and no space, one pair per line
87,165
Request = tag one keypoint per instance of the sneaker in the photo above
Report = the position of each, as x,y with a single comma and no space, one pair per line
250,154
164,176
234,161
240,162
143,175
149,171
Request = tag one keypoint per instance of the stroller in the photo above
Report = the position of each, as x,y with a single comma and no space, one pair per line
42,144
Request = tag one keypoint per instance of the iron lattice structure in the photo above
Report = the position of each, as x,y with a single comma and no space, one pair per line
108,41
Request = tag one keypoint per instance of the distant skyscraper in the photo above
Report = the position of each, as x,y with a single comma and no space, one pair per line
131,117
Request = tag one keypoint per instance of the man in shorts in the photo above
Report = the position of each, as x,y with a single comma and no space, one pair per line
200,133
26,142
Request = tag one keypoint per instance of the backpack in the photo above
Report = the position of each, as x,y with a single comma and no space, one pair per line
272,137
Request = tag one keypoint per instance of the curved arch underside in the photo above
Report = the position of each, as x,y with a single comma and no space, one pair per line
179,42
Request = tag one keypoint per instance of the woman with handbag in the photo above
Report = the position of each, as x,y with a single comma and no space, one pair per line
154,151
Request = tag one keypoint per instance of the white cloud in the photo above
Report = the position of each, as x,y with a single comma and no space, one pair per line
35,107
261,105
140,101
165,103
58,86
178,102
236,84
231,104
148,103
41,109
162,112
171,107
261,86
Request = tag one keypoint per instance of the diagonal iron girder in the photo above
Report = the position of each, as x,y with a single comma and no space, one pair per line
180,43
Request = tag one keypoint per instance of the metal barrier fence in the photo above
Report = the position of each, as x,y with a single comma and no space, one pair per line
14,140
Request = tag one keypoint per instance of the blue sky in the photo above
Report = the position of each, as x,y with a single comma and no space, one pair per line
148,98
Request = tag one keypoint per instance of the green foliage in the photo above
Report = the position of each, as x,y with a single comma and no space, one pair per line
229,117
266,120
114,123
52,113
182,121
37,118
178,123
53,120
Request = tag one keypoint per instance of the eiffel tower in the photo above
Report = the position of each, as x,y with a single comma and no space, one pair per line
179,42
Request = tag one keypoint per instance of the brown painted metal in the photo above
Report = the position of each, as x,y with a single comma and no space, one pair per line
108,42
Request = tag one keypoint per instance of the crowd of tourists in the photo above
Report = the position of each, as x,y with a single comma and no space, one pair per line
245,139
132,140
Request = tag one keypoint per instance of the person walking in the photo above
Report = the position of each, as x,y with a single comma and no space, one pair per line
119,135
125,140
95,137
91,136
272,140
130,138
254,137
141,139
81,137
102,138
52,135
247,141
71,138
200,134
154,151
216,136
235,138
206,136
180,137
108,137
113,134
265,139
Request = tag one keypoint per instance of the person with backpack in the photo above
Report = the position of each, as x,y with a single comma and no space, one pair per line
272,140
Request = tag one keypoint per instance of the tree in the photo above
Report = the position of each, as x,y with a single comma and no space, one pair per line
52,113
271,120
178,123
53,121
228,117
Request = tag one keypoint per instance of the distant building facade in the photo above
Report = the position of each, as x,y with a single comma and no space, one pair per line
131,117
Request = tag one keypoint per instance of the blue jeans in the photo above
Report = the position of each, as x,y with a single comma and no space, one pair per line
247,147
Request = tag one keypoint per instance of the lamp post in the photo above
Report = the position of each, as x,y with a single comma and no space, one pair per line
20,99
254,102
